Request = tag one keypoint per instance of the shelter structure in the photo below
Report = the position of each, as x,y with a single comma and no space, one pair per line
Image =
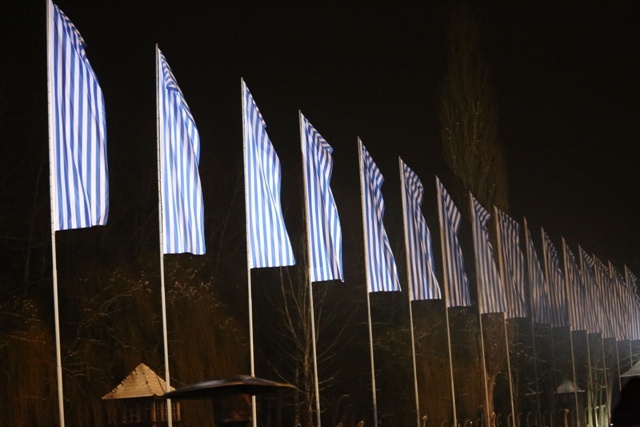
138,401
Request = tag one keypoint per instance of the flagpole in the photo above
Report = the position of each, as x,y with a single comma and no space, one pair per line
569,299
588,298
484,363
446,300
533,332
552,310
366,260
410,290
53,208
246,201
161,234
309,267
504,317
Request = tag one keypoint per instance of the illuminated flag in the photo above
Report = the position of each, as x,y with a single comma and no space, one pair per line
323,223
618,304
632,286
457,283
604,285
509,237
77,130
541,307
555,279
268,240
381,266
182,204
592,298
575,291
420,270
491,292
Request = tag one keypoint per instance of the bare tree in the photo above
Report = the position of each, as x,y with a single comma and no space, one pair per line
472,150
469,116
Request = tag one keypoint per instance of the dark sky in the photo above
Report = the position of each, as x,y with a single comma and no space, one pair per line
566,77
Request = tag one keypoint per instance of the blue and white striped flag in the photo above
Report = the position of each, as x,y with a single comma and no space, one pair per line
509,237
77,130
592,298
490,289
268,241
555,279
421,272
541,307
381,266
456,279
323,223
630,278
182,204
617,303
603,281
575,291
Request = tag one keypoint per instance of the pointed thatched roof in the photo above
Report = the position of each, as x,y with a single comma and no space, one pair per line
633,372
141,382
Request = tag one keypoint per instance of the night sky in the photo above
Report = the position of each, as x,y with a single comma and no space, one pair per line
566,77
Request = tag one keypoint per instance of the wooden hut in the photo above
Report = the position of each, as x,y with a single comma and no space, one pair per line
137,401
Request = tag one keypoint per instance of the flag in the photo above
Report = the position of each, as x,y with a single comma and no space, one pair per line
618,304
456,279
592,298
323,223
509,238
420,270
381,266
77,128
555,279
181,191
268,241
631,279
541,308
603,281
491,293
632,285
575,291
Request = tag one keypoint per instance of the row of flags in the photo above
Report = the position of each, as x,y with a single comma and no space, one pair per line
80,199
582,293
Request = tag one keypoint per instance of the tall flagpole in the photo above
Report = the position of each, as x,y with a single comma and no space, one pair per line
588,298
446,300
567,290
410,290
552,310
161,217
366,260
246,201
484,362
309,267
504,317
54,261
531,310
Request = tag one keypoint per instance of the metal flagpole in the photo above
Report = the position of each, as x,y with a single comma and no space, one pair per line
484,362
569,299
446,301
552,310
591,394
504,317
531,310
410,290
309,267
161,214
54,261
246,200
366,260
